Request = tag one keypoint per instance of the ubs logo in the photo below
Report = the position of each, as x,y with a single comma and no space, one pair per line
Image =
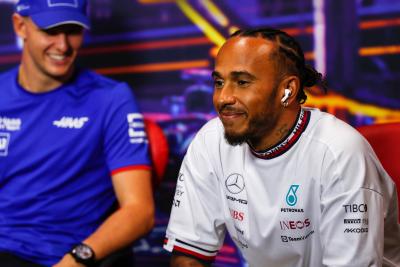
234,183
291,197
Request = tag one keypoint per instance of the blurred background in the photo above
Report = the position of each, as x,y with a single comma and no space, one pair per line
165,50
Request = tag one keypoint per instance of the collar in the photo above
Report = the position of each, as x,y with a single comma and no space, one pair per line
291,138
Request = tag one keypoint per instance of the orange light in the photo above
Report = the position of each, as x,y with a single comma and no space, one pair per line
146,46
154,67
379,50
379,23
299,31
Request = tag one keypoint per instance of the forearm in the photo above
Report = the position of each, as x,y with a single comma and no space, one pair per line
120,229
182,261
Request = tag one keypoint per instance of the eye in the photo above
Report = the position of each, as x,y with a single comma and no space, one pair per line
243,83
218,83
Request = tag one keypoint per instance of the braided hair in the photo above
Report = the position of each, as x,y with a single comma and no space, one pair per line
289,58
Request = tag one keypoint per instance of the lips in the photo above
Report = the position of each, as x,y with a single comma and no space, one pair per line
57,57
60,59
230,114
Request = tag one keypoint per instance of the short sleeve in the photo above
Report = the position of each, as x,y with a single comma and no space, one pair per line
196,227
125,139
355,199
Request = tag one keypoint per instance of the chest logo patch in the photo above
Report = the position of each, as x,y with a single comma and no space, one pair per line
4,141
70,122
234,183
10,124
291,197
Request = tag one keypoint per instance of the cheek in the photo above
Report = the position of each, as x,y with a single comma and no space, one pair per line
215,98
76,42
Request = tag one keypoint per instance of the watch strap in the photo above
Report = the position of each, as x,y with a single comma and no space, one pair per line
84,254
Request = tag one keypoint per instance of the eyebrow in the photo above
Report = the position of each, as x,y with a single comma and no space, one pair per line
215,74
234,74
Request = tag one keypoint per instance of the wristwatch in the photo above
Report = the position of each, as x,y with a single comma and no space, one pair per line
83,254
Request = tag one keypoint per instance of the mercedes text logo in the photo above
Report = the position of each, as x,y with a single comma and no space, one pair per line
234,183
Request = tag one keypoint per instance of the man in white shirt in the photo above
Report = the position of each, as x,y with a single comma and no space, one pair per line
293,186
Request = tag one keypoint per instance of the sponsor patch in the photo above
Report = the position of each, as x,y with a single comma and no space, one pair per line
10,124
55,3
291,197
71,122
136,132
4,141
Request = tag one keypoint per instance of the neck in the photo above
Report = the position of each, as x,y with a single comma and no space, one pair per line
285,122
37,82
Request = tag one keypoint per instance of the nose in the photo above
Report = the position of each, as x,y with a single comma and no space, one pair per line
61,42
225,95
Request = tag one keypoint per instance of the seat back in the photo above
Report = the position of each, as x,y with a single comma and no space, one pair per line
159,151
385,140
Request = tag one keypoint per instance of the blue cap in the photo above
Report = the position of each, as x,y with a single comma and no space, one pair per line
51,13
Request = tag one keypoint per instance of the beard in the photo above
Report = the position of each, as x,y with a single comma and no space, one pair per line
258,127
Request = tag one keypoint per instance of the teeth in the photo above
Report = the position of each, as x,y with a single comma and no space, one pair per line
57,57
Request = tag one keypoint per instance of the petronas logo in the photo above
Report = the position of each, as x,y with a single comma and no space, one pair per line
291,198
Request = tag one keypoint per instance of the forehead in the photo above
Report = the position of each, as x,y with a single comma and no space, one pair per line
252,54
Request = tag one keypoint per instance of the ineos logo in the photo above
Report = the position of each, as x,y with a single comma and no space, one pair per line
234,183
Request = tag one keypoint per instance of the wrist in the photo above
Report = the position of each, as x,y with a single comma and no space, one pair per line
83,254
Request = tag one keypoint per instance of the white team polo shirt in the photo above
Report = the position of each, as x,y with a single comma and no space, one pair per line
319,198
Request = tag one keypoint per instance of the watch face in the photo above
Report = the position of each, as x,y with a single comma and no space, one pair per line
83,252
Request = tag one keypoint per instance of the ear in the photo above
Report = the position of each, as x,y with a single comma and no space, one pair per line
291,83
19,24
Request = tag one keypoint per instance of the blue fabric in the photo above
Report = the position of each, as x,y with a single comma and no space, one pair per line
51,13
57,150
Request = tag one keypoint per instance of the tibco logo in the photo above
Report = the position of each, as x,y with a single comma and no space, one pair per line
293,225
355,208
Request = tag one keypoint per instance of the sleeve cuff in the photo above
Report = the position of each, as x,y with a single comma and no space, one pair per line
180,247
130,168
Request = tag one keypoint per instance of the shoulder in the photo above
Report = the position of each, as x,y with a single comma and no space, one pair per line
346,155
336,135
210,134
87,81
208,139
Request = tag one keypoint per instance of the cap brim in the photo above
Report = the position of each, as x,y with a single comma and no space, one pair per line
47,20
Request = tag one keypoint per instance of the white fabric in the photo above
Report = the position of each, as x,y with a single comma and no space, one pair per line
321,203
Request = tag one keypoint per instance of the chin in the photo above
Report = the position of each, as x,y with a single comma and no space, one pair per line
60,73
234,138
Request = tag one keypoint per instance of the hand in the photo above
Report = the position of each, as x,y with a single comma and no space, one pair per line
68,261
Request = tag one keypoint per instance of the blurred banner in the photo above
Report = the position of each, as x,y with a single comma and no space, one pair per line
165,50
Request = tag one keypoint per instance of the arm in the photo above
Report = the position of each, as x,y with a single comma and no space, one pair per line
183,261
196,227
353,207
134,218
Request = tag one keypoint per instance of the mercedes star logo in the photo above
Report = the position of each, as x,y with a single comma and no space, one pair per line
234,183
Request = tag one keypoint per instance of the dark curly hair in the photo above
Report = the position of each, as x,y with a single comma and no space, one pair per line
289,58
